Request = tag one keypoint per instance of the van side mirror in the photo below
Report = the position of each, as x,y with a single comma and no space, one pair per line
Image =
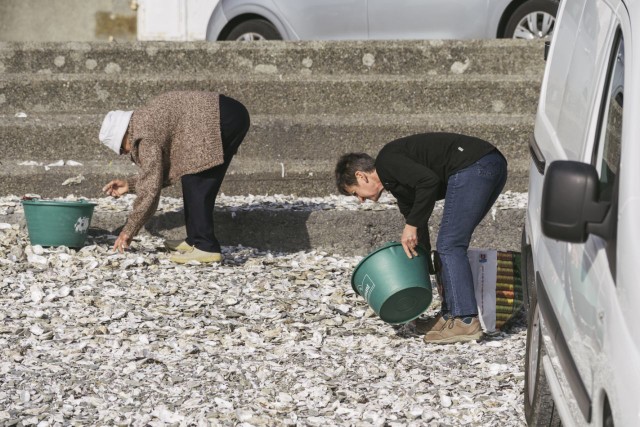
570,202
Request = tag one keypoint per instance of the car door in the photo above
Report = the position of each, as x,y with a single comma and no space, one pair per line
325,19
431,19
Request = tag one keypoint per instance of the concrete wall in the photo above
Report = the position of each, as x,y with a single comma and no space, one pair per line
67,20
309,103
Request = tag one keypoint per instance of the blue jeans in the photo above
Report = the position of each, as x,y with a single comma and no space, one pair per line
470,194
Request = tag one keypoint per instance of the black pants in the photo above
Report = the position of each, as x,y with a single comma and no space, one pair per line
199,191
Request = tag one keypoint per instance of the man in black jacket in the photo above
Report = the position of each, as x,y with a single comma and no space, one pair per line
469,174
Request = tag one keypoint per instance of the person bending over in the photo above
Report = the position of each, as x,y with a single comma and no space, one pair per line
189,137
469,174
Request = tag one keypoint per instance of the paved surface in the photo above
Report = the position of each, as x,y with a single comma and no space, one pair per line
336,224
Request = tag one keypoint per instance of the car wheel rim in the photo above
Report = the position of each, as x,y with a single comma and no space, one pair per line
536,25
250,37
534,353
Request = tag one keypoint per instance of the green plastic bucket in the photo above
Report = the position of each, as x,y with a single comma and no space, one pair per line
396,287
57,222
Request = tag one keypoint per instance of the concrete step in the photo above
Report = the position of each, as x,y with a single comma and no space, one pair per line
336,231
283,154
274,95
310,102
49,137
327,57
309,178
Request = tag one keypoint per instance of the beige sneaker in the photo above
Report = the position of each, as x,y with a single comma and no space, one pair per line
424,325
455,330
196,254
177,245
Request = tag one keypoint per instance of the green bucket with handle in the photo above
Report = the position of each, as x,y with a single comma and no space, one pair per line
396,287
58,222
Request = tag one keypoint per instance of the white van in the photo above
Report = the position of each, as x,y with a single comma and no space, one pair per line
581,239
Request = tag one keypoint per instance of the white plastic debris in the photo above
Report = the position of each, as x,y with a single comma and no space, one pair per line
75,180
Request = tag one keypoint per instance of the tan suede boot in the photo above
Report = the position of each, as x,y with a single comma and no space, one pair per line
424,325
177,245
455,330
196,254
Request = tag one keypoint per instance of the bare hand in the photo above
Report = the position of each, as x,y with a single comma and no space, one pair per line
409,240
116,188
122,242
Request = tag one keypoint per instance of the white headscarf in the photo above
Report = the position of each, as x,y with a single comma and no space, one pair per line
113,129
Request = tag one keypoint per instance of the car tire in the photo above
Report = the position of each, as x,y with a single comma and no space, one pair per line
539,408
544,12
253,30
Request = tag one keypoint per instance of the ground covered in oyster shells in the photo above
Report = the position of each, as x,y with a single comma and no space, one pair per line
92,337
11,204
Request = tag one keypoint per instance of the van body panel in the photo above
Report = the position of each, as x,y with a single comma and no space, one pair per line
624,329
557,70
594,296
580,87
588,282
629,205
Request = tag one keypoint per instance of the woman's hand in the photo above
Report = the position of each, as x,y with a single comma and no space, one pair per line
116,188
409,240
122,242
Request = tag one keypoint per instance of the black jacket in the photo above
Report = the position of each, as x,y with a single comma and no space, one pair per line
415,169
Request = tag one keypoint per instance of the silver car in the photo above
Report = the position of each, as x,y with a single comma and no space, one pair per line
381,19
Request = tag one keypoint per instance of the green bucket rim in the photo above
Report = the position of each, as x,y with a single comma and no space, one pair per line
65,203
383,247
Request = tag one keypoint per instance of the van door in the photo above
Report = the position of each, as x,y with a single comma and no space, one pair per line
576,122
591,267
549,144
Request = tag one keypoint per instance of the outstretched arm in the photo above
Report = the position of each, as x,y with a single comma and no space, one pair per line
116,188
148,186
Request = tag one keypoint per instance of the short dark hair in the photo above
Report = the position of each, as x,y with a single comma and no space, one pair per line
347,166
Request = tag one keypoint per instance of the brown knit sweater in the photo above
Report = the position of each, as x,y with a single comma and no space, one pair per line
174,134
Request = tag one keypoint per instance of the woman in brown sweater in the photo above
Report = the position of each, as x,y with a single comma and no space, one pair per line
186,136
